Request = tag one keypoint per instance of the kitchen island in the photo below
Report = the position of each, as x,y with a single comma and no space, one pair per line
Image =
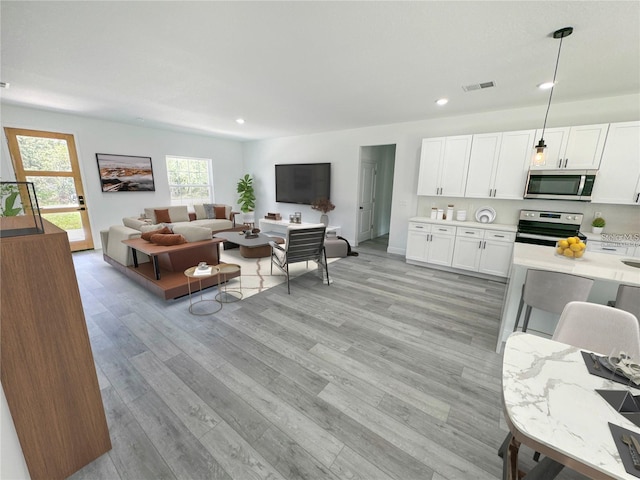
608,271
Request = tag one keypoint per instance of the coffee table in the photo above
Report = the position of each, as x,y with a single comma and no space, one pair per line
247,244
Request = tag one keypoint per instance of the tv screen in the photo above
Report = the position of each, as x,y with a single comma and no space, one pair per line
303,182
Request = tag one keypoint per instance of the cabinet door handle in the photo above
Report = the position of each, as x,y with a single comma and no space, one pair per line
608,249
637,197
495,191
442,229
499,236
471,233
484,245
559,163
479,244
566,160
418,226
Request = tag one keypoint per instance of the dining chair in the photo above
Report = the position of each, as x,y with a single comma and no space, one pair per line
599,328
302,245
628,299
550,291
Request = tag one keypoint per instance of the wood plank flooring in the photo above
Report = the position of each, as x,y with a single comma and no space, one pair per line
389,373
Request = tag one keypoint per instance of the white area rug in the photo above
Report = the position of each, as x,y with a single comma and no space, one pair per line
256,276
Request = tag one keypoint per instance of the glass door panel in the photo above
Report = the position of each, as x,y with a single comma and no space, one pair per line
50,161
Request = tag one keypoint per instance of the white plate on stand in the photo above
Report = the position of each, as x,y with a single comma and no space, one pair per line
485,215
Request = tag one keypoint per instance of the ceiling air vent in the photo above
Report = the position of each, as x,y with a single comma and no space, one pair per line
478,86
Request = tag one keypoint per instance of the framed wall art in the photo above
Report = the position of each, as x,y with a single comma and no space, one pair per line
125,173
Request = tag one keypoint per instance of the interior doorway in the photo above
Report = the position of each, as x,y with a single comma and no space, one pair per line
50,161
375,192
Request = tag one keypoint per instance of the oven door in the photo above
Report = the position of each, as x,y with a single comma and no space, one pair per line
560,184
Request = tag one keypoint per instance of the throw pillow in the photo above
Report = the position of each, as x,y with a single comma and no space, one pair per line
162,216
209,210
220,212
167,239
147,235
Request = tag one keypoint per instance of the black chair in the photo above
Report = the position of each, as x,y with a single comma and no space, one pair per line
302,245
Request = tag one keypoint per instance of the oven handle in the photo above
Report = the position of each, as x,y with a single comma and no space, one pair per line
583,179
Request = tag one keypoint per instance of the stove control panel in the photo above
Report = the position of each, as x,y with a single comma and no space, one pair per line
551,217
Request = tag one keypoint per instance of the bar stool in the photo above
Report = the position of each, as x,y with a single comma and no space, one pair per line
550,291
627,299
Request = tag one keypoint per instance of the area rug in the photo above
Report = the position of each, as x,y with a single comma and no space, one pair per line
256,272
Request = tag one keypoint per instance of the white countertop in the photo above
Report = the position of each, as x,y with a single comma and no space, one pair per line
599,266
456,223
550,397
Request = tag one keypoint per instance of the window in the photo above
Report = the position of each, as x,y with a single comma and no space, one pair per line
190,180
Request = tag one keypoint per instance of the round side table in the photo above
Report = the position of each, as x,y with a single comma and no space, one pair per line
227,295
191,273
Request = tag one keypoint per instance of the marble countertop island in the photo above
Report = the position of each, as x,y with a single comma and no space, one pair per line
608,271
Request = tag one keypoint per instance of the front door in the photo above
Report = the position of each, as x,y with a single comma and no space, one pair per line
50,161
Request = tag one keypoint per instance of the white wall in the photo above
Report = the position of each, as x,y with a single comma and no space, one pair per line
96,136
342,149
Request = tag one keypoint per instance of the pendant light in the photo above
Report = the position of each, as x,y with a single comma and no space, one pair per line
539,158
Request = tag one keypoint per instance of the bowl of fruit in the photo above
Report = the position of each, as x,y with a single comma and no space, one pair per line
572,248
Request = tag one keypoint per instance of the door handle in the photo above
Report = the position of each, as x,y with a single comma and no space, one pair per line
361,208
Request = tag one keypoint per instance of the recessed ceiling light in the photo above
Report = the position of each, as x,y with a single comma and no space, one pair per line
240,120
442,101
546,85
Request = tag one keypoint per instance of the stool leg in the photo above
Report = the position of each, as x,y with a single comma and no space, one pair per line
527,314
519,313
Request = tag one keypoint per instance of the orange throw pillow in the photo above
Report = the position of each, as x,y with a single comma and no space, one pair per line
162,216
168,239
147,235
220,212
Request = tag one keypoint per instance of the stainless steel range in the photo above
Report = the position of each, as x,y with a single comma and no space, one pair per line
546,228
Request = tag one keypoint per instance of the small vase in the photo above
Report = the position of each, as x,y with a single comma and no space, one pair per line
597,230
324,219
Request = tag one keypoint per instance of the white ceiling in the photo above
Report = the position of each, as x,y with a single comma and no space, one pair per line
300,67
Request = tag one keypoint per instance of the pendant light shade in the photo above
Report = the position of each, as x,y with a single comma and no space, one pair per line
539,157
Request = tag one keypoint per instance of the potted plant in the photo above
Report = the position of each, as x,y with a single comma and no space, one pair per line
597,225
323,205
247,198
10,205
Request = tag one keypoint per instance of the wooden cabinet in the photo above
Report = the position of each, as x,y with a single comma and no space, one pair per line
484,251
47,368
618,180
430,243
443,165
577,147
498,164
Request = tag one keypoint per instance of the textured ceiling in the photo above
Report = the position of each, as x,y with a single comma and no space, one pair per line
294,67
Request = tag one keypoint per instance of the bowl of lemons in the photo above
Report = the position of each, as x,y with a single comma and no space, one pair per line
572,248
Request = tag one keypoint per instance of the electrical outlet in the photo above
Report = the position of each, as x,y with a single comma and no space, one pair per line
597,214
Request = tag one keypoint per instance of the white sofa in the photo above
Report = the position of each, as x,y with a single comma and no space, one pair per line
180,215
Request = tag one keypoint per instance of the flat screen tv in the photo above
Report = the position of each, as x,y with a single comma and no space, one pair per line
303,182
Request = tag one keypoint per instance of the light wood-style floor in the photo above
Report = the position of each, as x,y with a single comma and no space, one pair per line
389,373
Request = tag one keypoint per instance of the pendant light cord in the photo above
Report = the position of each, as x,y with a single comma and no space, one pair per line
555,72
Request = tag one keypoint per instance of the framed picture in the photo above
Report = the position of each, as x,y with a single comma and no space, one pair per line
125,173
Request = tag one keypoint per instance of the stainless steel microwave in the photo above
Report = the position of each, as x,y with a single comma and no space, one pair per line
560,184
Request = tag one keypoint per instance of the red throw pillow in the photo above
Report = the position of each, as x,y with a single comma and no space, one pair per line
147,235
220,212
162,216
168,239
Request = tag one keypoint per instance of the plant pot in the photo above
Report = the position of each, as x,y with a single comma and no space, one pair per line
324,219
249,217
597,230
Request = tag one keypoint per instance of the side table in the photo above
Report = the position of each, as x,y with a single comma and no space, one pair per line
191,273
228,295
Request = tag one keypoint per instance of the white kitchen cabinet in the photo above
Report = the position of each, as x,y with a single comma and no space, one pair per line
496,253
578,147
430,243
443,165
484,251
618,180
498,164
611,248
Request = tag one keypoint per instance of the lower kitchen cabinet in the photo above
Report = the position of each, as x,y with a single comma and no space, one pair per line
466,248
484,251
431,243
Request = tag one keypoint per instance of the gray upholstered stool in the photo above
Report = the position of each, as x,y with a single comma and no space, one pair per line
335,247
628,299
550,291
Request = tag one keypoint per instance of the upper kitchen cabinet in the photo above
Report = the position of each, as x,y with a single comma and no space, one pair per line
498,164
444,162
618,180
573,147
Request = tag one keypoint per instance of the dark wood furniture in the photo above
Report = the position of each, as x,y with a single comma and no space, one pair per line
46,363
164,275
